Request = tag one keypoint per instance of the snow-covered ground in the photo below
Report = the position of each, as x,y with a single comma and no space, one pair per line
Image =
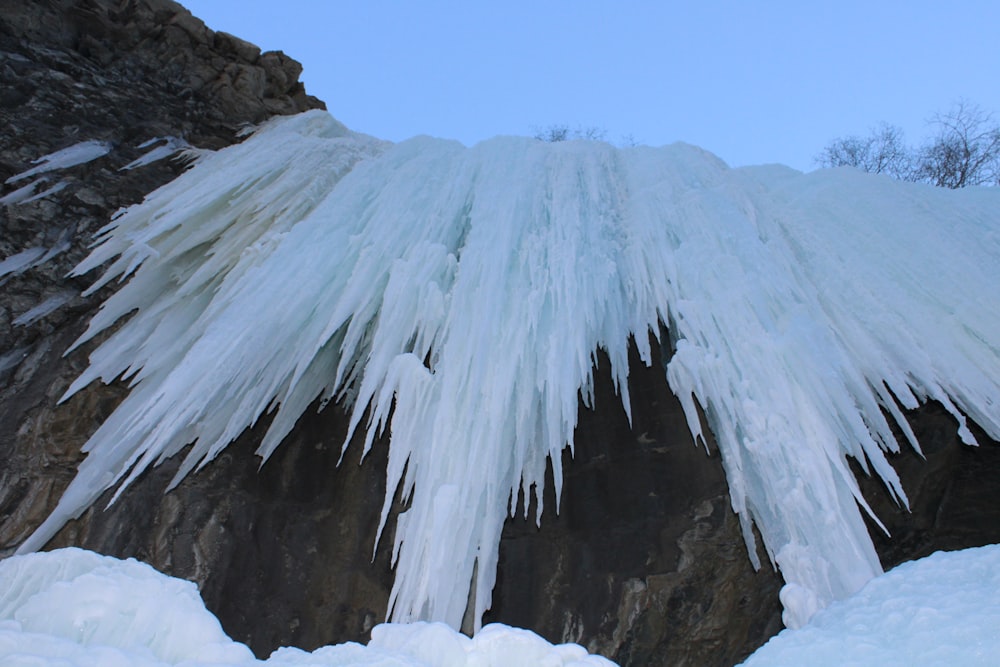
74,608
943,610
465,291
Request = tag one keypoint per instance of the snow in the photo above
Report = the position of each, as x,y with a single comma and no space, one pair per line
462,294
940,610
97,604
79,153
75,608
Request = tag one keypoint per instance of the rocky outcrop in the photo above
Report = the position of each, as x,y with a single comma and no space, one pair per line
114,75
644,563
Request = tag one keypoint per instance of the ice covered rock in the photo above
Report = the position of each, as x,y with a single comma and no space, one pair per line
464,291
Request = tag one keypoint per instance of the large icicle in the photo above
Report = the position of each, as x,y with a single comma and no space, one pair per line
466,291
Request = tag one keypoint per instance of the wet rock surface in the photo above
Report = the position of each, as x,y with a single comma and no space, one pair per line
644,562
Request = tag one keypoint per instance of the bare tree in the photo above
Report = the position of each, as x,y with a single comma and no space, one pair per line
628,141
964,151
560,132
881,152
552,133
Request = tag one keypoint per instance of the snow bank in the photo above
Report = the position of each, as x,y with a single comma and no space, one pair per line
465,291
940,610
84,608
75,608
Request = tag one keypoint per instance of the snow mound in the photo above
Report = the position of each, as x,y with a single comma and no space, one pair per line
75,608
463,293
940,610
84,608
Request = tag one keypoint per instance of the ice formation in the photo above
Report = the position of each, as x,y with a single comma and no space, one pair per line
49,305
21,261
79,153
74,608
163,147
467,290
26,193
26,259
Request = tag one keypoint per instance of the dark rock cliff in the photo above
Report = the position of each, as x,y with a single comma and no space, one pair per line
645,562
117,73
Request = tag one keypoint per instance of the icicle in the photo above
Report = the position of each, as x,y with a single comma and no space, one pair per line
466,291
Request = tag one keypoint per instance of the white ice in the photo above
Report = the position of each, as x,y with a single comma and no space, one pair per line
71,156
46,307
22,261
940,610
86,151
160,148
465,291
23,193
58,187
75,608
79,153
19,262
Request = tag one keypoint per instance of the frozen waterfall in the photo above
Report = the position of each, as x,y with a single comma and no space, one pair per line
466,291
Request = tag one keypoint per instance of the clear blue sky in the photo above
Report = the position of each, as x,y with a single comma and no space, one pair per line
754,82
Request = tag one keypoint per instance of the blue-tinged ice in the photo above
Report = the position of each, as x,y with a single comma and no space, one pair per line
462,294
78,153
46,307
22,261
159,148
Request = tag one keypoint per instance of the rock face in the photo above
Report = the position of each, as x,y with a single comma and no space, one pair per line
644,563
117,74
